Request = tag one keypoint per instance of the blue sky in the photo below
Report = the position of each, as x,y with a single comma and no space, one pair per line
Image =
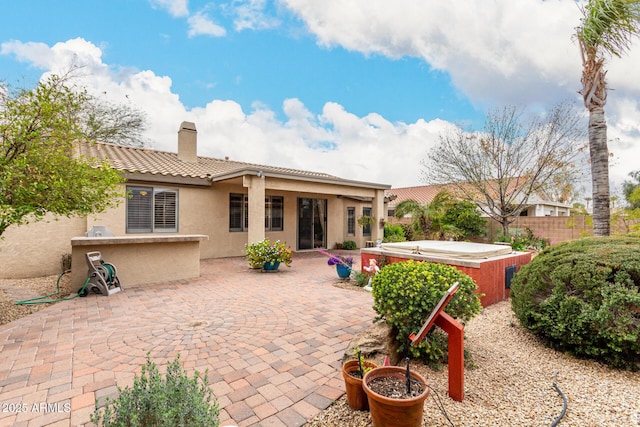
357,88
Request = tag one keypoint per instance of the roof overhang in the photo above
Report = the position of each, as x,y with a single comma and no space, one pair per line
167,179
297,177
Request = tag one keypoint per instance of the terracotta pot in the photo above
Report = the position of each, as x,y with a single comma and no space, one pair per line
388,412
356,398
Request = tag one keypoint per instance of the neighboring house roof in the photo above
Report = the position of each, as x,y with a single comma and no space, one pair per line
423,194
426,193
162,166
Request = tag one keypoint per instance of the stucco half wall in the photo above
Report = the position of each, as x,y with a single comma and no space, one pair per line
140,259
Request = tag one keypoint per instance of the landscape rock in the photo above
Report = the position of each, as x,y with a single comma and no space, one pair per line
375,343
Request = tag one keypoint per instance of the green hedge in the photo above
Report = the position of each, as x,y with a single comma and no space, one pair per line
582,297
406,292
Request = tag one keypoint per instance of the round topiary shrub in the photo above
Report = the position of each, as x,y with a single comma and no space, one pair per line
582,297
404,295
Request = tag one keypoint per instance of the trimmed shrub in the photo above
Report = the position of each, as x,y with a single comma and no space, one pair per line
176,400
393,233
582,297
406,292
349,245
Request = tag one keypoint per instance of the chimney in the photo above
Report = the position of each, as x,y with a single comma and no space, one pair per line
188,142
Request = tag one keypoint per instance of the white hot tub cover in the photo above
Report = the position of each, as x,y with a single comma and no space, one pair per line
441,248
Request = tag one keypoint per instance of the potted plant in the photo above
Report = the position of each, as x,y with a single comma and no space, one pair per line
343,264
366,220
396,396
268,255
353,371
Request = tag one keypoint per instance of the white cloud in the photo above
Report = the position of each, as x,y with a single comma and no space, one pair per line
176,8
250,14
200,24
496,53
510,53
336,141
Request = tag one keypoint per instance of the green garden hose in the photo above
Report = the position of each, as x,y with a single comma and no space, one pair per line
43,300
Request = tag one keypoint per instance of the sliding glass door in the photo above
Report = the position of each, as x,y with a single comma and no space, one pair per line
312,223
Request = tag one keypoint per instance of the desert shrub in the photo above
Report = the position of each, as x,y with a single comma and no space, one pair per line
582,297
175,400
349,245
521,240
393,233
360,278
406,292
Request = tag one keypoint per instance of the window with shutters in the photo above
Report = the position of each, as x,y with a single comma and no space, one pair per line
152,210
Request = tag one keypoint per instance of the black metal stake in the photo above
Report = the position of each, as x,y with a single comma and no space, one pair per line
408,378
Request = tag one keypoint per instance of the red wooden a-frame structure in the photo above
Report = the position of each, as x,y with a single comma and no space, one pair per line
455,340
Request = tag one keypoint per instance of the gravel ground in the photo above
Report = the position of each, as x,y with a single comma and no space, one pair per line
512,384
13,290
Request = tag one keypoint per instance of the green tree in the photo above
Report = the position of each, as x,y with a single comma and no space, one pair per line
40,169
420,215
444,218
465,220
606,28
631,190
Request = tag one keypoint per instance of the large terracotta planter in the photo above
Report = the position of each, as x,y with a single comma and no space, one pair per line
356,397
388,412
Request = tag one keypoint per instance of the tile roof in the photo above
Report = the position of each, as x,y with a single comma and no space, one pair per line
153,162
423,194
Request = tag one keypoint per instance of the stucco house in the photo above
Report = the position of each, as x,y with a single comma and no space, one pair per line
536,206
227,203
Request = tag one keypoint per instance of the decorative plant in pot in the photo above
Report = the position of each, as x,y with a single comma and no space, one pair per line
366,220
396,396
268,255
344,264
353,371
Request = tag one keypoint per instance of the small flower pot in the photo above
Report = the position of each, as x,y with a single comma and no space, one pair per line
356,397
390,412
271,266
344,271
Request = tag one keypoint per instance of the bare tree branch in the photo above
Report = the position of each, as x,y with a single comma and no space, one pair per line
501,166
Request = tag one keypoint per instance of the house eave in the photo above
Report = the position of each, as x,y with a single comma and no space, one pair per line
281,175
167,179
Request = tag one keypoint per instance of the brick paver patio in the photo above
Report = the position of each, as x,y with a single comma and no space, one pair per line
272,342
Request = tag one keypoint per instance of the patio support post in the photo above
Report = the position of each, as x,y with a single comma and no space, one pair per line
256,186
378,212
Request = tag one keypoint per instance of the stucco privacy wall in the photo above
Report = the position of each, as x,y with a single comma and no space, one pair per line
36,249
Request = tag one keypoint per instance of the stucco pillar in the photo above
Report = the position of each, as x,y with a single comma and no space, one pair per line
378,212
256,186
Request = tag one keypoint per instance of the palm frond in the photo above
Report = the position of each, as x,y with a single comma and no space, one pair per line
609,25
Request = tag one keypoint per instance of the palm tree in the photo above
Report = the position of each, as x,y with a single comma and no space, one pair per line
420,215
607,28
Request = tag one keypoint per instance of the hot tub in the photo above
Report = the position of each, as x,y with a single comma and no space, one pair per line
491,266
